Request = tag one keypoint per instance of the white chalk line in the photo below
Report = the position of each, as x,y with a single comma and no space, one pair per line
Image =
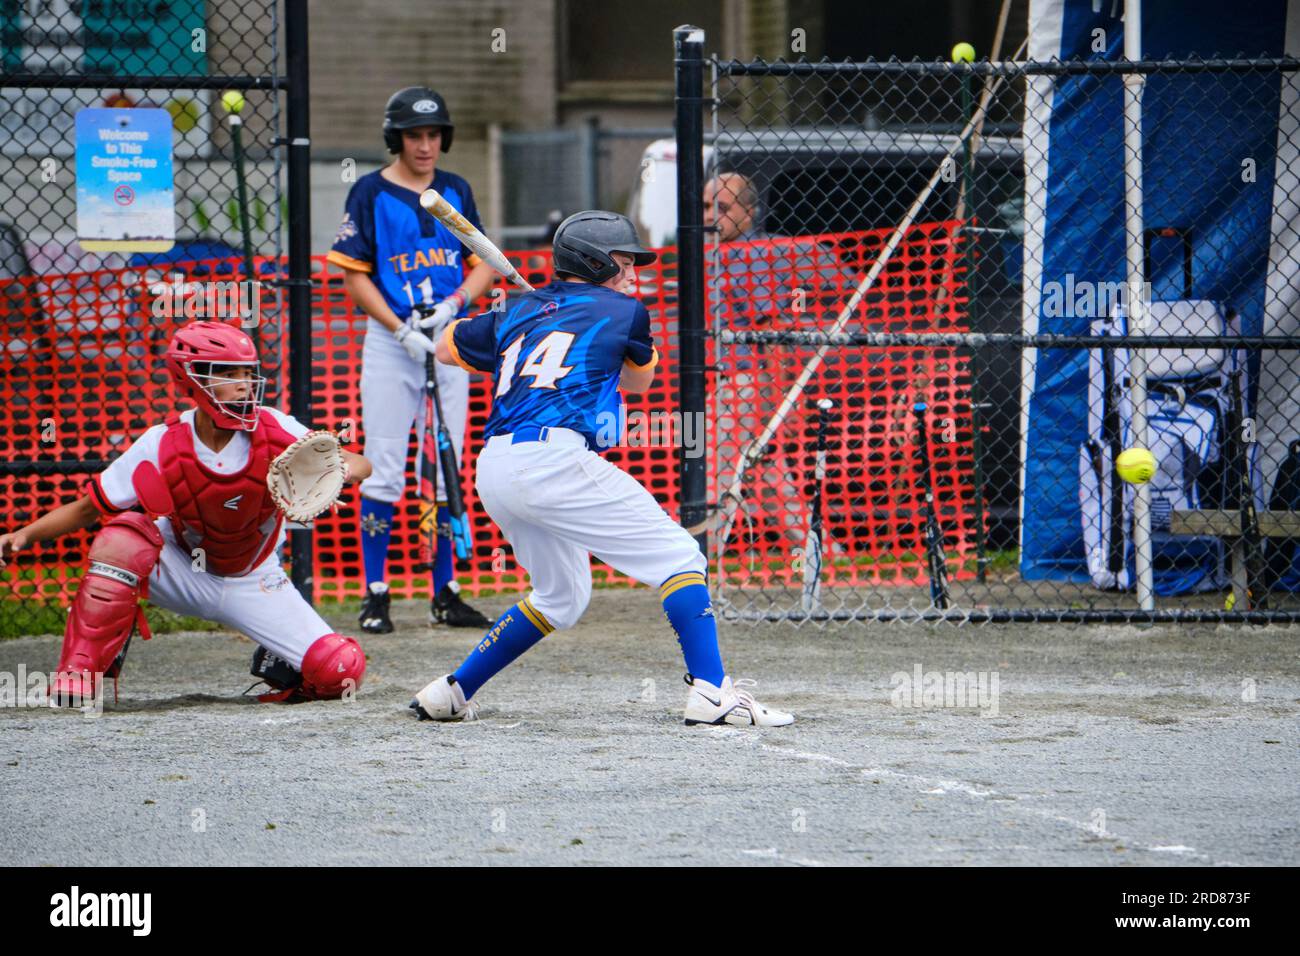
938,786
772,853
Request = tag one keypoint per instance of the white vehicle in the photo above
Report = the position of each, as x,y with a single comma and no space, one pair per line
653,206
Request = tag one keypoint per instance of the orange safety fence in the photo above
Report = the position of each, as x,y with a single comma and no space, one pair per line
84,377
872,507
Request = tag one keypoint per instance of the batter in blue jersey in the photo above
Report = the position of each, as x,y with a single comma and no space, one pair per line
558,359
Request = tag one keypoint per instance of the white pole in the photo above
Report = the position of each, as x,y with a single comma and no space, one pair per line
1136,300
495,183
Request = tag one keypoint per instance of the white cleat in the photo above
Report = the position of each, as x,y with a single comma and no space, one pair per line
443,699
729,705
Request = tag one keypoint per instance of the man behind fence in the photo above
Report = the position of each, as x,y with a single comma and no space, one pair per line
757,281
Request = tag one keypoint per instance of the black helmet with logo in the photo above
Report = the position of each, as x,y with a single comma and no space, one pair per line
584,241
414,107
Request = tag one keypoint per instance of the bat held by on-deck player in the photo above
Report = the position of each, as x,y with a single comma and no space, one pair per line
440,436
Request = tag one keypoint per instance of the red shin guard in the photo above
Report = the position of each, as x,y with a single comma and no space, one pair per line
107,608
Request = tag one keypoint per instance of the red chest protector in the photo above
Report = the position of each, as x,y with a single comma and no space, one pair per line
231,517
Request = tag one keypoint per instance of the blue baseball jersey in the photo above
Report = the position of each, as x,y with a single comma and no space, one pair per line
556,355
413,258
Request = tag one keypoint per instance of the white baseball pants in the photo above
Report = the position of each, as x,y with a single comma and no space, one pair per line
392,401
557,503
262,604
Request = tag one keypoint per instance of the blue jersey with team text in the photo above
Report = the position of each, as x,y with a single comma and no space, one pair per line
556,355
413,258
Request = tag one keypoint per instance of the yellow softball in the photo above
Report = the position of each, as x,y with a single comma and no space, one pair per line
1136,465
963,53
232,100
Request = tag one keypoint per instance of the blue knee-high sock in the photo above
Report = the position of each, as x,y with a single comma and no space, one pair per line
690,612
515,631
443,570
376,531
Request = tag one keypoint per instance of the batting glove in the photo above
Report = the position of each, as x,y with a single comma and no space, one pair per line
416,343
444,312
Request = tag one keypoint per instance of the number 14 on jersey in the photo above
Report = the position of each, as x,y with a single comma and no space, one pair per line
544,365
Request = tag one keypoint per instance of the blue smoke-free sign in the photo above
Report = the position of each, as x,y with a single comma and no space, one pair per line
125,196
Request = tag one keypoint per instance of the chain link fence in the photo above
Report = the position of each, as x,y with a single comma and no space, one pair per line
547,175
943,306
136,193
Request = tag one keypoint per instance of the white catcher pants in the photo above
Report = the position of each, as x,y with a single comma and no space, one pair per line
392,401
262,604
557,503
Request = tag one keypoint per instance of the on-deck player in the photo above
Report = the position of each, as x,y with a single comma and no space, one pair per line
214,555
559,356
397,259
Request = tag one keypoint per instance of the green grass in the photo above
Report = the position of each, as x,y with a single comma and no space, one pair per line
33,603
998,562
516,583
27,618
30,613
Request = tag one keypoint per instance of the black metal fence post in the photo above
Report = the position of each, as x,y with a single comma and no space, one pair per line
689,66
300,306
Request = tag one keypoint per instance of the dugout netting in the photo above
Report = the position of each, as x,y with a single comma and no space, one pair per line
1060,260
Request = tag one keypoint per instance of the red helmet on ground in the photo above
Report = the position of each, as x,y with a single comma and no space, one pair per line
191,357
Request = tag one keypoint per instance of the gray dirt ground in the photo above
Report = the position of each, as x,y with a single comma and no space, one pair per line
1111,747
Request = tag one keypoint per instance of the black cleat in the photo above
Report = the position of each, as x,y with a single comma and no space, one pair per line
447,608
275,671
374,610
279,675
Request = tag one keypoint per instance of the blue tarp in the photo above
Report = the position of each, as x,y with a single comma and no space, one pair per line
1198,129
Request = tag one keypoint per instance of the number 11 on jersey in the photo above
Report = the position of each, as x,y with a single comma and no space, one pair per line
426,291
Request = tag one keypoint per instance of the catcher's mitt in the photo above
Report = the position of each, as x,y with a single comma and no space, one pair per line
307,477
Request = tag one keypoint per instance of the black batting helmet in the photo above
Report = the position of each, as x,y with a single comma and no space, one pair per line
414,107
584,241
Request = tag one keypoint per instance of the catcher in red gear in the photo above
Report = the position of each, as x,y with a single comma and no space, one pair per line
204,541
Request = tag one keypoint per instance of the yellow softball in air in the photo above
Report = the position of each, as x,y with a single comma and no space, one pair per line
1136,465
232,100
963,53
